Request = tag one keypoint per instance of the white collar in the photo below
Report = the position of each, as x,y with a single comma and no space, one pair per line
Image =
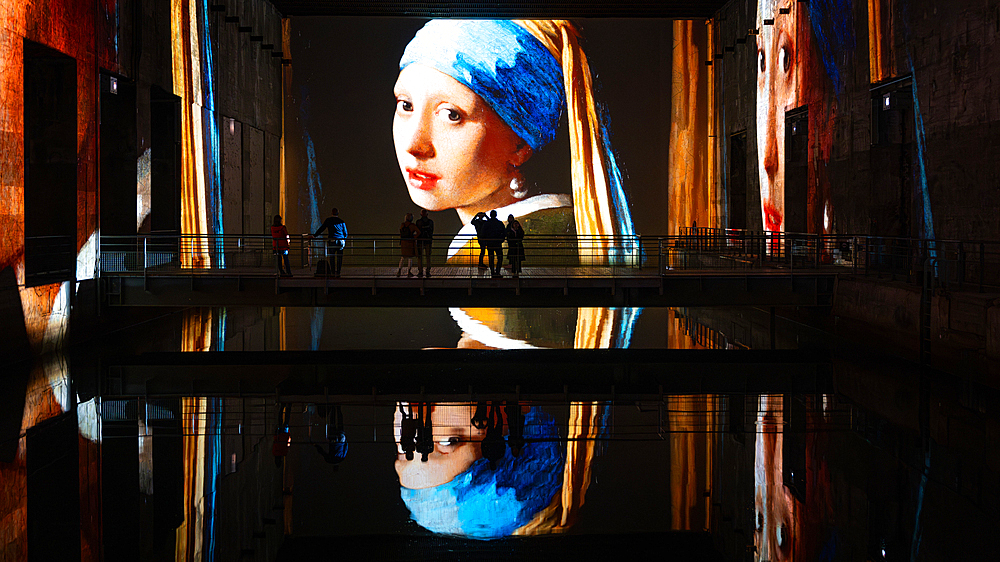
518,209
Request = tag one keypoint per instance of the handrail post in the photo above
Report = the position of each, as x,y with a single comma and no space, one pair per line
854,256
790,246
961,264
867,257
982,264
661,263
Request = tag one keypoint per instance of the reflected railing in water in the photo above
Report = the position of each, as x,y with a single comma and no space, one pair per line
495,466
479,469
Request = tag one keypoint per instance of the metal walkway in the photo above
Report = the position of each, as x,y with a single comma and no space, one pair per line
701,267
640,288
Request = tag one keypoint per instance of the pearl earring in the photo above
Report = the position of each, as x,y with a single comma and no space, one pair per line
518,187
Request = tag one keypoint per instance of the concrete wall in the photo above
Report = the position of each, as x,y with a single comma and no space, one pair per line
246,82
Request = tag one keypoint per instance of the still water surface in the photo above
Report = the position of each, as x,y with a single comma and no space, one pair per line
854,456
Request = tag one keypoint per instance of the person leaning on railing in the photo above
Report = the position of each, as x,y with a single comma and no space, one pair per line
337,240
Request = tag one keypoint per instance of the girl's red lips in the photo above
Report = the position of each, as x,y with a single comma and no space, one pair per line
421,180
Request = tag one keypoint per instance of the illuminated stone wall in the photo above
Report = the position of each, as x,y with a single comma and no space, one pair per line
899,165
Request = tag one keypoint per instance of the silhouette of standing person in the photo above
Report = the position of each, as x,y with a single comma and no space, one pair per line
495,234
424,243
479,223
279,243
335,435
408,233
515,245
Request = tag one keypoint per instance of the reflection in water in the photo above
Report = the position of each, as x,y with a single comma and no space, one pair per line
189,543
529,328
772,475
47,396
196,422
494,470
773,503
48,390
692,423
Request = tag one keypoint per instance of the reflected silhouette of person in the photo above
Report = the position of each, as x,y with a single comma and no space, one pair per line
282,438
479,419
494,446
335,435
425,431
408,432
515,427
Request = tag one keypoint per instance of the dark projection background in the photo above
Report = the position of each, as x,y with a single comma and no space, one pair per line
341,101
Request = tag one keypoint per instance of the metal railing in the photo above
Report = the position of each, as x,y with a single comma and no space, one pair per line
960,264
49,259
363,255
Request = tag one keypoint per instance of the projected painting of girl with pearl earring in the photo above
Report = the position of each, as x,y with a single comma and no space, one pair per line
777,92
799,83
475,100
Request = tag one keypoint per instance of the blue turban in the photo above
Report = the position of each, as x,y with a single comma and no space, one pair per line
485,503
502,63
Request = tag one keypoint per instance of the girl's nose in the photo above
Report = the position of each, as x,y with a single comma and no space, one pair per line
421,144
771,156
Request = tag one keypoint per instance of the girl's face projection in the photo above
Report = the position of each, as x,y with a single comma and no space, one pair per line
453,150
777,92
456,447
494,469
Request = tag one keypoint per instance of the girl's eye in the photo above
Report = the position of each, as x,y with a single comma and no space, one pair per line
453,115
449,442
404,105
786,59
760,60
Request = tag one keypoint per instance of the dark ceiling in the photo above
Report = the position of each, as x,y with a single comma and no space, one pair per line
680,9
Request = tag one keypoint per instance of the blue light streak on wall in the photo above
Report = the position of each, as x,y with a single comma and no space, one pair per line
118,27
312,172
624,336
918,122
220,331
918,126
212,130
832,23
213,441
622,216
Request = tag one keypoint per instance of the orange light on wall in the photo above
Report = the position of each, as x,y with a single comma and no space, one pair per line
68,27
186,65
693,195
